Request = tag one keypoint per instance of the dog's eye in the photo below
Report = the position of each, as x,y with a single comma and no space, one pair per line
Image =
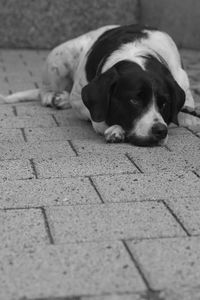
134,101
162,103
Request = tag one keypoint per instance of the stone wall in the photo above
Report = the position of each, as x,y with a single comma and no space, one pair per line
180,18
46,23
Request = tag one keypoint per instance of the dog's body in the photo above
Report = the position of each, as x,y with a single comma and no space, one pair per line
127,80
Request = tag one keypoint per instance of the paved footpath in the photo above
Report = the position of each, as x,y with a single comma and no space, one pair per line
85,220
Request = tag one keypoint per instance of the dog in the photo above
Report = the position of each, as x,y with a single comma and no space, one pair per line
127,80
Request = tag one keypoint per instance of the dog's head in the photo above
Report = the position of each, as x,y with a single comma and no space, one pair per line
142,102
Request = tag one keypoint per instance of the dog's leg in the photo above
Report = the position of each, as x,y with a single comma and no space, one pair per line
58,73
56,85
184,83
186,120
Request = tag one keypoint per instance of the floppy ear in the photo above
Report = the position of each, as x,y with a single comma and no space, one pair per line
96,94
178,100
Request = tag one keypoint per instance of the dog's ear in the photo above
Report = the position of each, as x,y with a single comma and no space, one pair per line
177,100
96,94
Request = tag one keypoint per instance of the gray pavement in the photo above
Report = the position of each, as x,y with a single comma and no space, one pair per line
85,220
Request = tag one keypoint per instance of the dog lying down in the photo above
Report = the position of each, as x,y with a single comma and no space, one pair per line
127,80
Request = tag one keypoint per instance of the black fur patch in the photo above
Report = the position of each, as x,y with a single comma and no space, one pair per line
110,41
168,94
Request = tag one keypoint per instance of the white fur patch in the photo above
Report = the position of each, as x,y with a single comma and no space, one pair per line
115,134
99,127
142,127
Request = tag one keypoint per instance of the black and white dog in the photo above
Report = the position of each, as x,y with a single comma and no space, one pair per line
128,80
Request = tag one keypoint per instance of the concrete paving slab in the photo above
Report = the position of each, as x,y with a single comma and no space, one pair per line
111,222
22,228
27,121
16,169
177,131
61,134
169,263
6,111
188,211
36,150
187,145
159,163
184,294
138,187
47,192
11,136
116,297
68,118
4,88
99,146
68,270
84,166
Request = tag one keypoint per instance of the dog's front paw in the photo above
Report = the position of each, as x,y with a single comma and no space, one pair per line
61,100
114,134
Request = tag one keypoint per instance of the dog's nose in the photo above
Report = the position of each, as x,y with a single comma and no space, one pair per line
159,130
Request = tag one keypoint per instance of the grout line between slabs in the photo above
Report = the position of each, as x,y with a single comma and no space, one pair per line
23,134
72,147
14,111
132,161
48,229
33,168
55,120
136,265
176,218
95,188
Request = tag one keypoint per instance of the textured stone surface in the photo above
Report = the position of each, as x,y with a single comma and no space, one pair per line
99,146
15,169
11,136
111,222
183,294
22,228
173,162
84,166
35,150
188,211
47,23
170,262
172,16
30,193
6,110
187,145
68,118
132,187
61,133
31,269
26,121
76,269
116,297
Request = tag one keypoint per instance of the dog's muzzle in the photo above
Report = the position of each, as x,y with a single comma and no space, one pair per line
157,135
159,131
